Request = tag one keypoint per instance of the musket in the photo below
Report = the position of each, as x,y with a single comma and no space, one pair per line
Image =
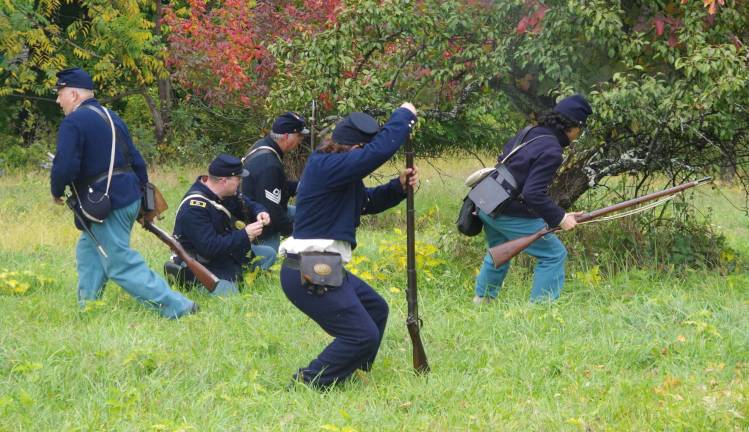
504,252
71,202
154,204
413,322
202,274
312,127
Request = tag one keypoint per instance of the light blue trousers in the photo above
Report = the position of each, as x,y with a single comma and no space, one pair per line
548,275
265,255
124,266
224,288
267,249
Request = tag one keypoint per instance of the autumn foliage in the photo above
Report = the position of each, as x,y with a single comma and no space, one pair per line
219,51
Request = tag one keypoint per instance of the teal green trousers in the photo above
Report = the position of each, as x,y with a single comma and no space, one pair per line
548,275
123,265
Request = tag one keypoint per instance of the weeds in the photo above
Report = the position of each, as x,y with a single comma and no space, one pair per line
636,342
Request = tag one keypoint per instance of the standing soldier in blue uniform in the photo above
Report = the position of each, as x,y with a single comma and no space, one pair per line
534,167
217,226
330,200
267,183
84,148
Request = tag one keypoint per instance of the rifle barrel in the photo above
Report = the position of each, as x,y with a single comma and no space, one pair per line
639,200
504,252
410,241
413,323
84,224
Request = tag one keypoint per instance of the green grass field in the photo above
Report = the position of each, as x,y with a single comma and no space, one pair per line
641,349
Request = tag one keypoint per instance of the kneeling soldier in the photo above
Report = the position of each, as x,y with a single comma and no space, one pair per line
210,224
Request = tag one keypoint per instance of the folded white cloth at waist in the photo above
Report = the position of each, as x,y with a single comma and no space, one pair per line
297,246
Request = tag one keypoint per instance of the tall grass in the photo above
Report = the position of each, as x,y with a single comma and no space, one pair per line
646,348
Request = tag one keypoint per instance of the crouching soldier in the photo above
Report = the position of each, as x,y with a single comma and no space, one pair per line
217,226
330,201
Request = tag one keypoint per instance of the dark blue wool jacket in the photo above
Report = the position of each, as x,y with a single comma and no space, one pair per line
267,184
331,196
534,167
84,143
204,230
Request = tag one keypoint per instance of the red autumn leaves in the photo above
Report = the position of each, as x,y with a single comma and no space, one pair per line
220,50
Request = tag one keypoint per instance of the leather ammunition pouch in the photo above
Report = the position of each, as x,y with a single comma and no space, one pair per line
92,205
320,272
153,204
178,273
175,272
492,190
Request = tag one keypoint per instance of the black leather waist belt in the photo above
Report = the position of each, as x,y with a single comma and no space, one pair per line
88,181
292,261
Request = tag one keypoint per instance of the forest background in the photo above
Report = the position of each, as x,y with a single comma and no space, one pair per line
667,79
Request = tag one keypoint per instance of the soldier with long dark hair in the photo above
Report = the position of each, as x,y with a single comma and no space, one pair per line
330,200
534,167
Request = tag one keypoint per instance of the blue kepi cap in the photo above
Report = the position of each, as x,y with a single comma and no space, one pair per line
355,128
575,108
290,122
227,166
74,77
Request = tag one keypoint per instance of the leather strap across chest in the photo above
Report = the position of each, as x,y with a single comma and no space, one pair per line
258,150
195,194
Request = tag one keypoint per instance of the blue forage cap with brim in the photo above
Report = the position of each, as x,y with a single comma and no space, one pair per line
74,77
227,166
575,108
290,122
355,128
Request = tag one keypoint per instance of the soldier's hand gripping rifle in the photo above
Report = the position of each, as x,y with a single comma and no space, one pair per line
413,322
504,252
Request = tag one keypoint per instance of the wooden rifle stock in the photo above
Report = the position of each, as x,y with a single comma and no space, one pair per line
504,252
419,355
413,322
202,274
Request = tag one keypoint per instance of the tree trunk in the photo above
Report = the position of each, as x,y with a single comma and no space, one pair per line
158,123
569,185
162,123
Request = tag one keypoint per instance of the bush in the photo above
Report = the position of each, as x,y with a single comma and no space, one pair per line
17,156
677,240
